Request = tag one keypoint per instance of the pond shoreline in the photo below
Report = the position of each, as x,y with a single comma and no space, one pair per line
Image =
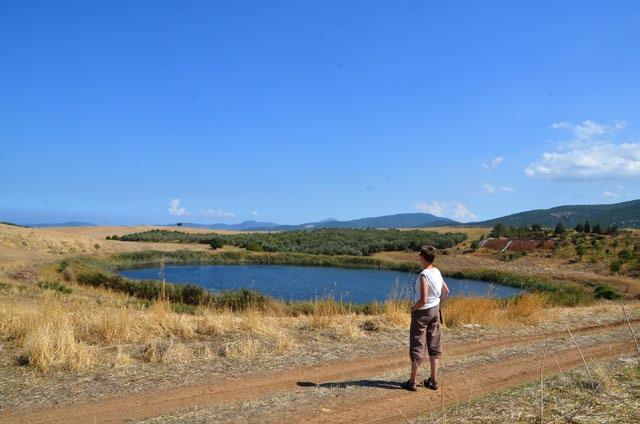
298,283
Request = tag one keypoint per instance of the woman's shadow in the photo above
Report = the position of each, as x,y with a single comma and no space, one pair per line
378,384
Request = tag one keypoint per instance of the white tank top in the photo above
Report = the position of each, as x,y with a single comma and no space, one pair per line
435,281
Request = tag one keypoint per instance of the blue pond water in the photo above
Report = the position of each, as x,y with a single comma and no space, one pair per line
308,283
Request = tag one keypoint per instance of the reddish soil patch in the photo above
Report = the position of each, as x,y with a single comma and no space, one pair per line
518,244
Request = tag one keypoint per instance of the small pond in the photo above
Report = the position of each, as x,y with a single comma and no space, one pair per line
308,283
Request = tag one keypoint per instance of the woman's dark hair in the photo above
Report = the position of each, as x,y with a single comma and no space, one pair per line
428,253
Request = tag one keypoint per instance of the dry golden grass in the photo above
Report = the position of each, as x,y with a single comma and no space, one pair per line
242,349
213,323
48,340
490,311
56,331
396,314
166,352
34,247
284,342
122,359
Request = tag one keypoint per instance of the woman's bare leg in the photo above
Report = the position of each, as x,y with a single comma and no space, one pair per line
414,371
433,361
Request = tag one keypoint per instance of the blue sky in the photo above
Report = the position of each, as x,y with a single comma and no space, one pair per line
288,111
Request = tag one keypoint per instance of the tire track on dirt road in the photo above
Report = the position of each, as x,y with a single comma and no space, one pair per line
153,403
456,387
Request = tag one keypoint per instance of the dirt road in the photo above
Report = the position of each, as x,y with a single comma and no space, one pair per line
387,406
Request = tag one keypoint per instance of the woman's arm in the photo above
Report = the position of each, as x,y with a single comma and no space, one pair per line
424,293
445,291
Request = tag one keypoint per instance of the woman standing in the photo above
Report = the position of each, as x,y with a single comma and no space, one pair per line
424,334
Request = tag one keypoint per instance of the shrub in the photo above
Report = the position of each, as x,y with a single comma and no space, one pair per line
602,292
625,255
615,266
216,243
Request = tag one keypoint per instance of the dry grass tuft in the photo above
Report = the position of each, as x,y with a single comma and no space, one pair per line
122,359
500,312
346,328
284,342
49,341
396,314
242,350
171,323
257,323
166,352
215,323
107,326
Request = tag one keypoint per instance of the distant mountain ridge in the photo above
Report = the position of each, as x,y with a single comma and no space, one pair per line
624,215
401,220
243,226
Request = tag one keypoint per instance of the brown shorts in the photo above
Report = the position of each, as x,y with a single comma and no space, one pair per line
424,335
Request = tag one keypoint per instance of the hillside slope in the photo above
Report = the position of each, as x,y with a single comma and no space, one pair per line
624,215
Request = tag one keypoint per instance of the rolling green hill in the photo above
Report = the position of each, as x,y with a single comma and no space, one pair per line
624,215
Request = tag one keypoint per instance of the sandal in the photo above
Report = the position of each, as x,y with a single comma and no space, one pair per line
409,385
431,384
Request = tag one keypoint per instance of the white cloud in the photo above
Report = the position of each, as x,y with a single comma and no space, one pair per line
618,192
254,213
590,162
590,154
175,208
589,129
610,194
495,162
487,189
454,210
211,213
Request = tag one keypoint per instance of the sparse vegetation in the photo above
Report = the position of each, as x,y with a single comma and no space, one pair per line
564,294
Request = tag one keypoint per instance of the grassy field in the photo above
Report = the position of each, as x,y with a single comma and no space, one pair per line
59,323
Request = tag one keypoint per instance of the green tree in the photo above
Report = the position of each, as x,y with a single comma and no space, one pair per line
216,243
559,230
597,229
499,230
587,227
580,228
